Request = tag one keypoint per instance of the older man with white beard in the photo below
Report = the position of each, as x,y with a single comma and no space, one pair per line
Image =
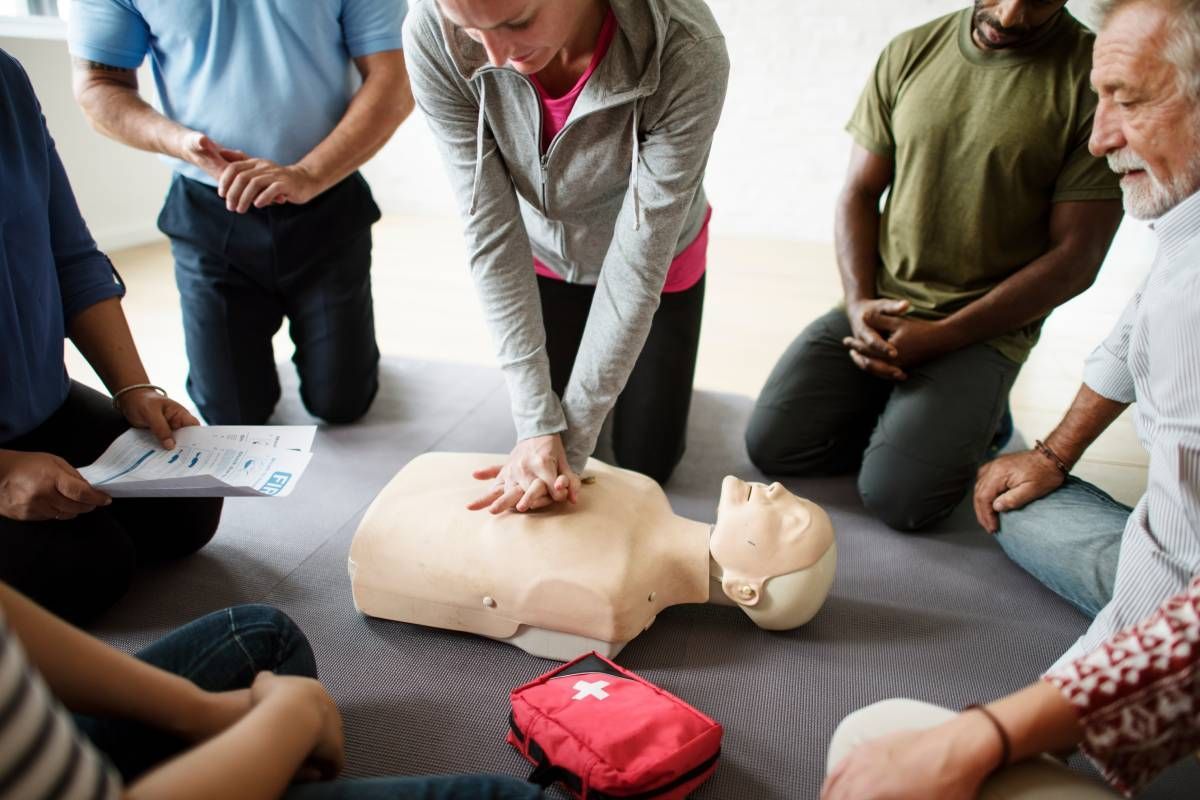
1110,561
1128,692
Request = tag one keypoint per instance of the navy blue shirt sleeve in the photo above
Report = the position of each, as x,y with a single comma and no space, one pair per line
85,275
50,267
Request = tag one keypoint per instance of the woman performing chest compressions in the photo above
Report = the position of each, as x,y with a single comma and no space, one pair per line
576,134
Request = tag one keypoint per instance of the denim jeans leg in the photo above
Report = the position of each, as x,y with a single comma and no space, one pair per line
218,652
433,787
1070,541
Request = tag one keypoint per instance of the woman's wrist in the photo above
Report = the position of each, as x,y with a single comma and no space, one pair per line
977,747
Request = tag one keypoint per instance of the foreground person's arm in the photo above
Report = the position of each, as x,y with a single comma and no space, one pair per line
254,740
1150,667
950,761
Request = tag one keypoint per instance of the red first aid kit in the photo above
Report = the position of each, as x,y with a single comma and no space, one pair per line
603,732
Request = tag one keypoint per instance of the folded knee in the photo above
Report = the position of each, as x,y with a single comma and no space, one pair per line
339,404
273,640
904,498
772,446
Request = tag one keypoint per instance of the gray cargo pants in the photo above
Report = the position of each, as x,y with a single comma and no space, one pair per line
916,444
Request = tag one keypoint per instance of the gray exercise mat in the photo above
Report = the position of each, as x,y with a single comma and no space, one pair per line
943,617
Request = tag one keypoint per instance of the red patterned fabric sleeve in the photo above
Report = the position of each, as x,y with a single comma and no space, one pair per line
1138,694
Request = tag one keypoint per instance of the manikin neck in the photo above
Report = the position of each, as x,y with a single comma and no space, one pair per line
715,573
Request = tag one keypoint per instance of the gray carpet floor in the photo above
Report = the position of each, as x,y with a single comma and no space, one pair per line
942,617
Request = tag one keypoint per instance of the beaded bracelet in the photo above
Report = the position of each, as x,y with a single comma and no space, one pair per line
1045,450
1005,742
116,401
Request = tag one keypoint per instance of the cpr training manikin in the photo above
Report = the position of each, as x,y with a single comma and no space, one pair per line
588,576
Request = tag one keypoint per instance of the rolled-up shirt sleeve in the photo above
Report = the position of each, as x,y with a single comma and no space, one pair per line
1106,371
1137,695
110,32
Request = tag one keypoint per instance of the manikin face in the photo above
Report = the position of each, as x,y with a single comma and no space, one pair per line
522,34
1146,124
1002,24
775,550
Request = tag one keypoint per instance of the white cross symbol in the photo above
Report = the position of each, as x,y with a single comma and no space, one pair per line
586,689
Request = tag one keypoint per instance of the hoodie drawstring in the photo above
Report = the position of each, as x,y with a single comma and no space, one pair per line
633,175
478,148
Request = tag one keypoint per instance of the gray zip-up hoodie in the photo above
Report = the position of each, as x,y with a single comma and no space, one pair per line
617,194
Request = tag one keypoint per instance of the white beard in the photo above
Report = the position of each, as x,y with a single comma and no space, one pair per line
1150,197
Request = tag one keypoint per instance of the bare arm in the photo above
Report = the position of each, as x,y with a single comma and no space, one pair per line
109,99
102,335
1089,416
113,683
255,739
856,237
1016,480
952,760
381,104
1080,235
378,107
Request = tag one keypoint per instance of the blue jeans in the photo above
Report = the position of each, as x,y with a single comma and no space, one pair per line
1070,541
225,650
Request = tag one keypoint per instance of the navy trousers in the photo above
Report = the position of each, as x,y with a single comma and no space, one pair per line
240,275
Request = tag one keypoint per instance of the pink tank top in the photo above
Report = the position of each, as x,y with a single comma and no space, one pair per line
687,267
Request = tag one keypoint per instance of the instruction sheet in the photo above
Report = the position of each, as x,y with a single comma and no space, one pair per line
207,461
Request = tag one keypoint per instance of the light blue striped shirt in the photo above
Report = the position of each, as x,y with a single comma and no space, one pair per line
1152,357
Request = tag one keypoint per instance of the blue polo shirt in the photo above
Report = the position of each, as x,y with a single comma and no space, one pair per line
269,77
50,269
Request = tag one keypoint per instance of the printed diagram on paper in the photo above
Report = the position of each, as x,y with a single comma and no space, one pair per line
213,461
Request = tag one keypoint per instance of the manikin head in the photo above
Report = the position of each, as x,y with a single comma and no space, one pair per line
1146,71
522,34
774,551
1005,24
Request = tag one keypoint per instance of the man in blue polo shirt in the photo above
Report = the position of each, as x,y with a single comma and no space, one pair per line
265,125
62,542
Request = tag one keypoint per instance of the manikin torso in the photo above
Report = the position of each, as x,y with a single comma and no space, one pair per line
573,577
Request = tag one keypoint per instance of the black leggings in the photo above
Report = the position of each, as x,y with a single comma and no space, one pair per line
78,568
650,418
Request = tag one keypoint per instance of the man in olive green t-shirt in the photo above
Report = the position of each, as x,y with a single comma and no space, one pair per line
976,125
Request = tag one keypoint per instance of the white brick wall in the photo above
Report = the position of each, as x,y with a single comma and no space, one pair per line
780,153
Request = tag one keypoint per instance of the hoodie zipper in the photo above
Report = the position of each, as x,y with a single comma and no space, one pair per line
544,158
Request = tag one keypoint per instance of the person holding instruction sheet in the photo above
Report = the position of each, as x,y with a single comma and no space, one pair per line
62,542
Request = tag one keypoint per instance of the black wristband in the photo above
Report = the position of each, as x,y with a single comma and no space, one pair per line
1005,743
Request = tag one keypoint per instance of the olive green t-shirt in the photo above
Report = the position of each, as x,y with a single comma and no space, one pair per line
983,144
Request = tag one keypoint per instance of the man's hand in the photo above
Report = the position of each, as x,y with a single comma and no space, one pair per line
40,486
328,755
868,345
146,408
948,762
536,475
1011,482
199,150
259,182
886,343
867,334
